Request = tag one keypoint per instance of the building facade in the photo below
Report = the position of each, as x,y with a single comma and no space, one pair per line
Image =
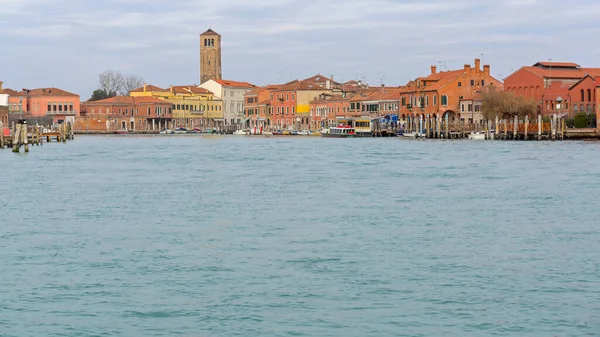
232,94
3,97
125,113
192,107
257,107
441,94
562,88
57,104
210,56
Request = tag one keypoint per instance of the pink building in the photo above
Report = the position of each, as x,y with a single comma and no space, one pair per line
49,102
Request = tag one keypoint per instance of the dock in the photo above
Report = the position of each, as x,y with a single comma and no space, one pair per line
23,135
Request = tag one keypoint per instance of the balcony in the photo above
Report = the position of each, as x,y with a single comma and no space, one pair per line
61,113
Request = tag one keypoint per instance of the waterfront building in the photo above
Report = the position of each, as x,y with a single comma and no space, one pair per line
257,107
210,56
192,106
326,109
3,96
441,94
46,105
126,113
562,88
232,94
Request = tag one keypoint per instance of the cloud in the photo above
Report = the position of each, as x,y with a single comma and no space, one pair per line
400,37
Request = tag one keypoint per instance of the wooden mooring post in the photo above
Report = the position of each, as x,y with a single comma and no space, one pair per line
1,135
553,127
525,134
516,128
539,135
20,136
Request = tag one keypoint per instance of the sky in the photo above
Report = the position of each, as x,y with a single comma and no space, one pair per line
67,43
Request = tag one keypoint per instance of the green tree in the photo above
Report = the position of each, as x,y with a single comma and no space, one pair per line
581,120
99,94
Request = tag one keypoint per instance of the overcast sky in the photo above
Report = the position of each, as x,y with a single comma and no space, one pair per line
66,43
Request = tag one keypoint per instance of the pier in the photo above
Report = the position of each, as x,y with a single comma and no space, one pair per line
22,135
552,128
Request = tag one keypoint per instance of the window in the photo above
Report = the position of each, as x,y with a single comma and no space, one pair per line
126,111
589,95
444,100
459,84
482,83
434,100
293,97
293,110
582,95
470,107
472,82
287,97
149,111
462,107
427,100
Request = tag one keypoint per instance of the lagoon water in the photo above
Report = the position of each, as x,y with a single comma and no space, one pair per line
237,236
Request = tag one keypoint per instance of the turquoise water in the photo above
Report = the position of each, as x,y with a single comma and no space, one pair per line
236,236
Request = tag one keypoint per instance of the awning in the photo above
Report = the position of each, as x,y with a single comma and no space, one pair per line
218,119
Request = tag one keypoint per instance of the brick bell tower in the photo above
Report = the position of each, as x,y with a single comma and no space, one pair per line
210,56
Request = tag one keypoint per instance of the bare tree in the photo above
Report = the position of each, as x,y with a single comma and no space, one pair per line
130,83
506,105
111,82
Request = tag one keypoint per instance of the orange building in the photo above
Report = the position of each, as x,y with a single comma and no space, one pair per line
125,113
327,108
257,107
440,94
562,88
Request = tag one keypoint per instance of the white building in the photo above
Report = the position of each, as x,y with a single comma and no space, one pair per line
3,96
232,94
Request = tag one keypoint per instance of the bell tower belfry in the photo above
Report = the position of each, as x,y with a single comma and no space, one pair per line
210,56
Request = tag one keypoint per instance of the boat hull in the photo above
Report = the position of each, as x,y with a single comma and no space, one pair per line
329,135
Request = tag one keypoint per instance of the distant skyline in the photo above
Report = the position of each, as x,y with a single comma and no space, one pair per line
67,43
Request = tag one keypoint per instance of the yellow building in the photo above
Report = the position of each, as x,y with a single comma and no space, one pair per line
192,106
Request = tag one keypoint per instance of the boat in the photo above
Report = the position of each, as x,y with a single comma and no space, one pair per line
340,131
304,133
121,132
241,132
480,135
277,133
180,130
166,131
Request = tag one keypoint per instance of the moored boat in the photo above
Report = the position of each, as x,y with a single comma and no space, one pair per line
480,135
340,131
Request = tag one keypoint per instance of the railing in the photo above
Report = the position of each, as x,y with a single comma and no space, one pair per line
61,113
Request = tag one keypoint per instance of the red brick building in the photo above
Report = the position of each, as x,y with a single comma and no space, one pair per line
125,113
563,88
440,94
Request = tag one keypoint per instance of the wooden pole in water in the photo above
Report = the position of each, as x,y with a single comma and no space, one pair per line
516,127
64,132
552,127
24,137
496,130
16,137
1,135
562,129
539,127
525,135
427,123
447,128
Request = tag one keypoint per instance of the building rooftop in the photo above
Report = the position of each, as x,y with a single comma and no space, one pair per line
227,83
210,32
129,100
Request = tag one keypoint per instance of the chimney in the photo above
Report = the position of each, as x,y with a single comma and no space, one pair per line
477,64
486,69
1,85
144,87
467,67
332,78
171,89
328,84
434,69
